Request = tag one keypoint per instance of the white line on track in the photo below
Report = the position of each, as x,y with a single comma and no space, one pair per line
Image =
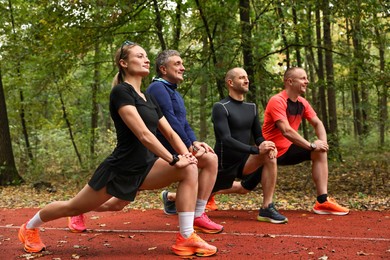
224,233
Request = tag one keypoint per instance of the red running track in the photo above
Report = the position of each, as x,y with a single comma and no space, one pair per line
148,234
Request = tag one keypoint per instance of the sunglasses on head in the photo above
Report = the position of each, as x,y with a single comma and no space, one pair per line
125,43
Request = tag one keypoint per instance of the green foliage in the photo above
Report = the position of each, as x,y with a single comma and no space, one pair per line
48,50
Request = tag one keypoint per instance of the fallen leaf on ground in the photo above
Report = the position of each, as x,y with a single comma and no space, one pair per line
362,253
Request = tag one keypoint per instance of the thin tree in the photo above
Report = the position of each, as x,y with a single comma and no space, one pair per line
219,80
69,126
320,71
22,109
203,98
95,107
357,126
382,95
8,172
283,33
358,67
246,36
330,79
159,25
298,57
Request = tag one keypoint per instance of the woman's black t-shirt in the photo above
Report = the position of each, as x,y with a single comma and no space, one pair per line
130,154
123,172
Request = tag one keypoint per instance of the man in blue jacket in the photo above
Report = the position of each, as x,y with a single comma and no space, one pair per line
170,70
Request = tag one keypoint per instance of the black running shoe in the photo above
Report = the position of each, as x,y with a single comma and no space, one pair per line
169,206
271,215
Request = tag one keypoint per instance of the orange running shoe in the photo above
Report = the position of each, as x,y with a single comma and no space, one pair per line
76,224
330,207
211,206
193,245
30,238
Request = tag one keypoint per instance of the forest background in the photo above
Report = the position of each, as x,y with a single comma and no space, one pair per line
56,68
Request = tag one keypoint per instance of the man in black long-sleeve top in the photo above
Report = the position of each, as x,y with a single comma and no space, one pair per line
235,122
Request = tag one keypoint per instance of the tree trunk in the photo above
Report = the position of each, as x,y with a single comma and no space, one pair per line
220,82
68,124
299,62
283,33
246,36
309,54
359,64
159,26
382,95
22,113
320,72
8,172
176,36
203,99
296,35
356,101
365,108
333,138
95,107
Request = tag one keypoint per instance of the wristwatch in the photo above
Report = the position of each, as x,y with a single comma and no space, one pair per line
175,159
313,146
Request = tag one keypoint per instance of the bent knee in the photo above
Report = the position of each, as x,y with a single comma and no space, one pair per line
269,161
317,155
119,206
190,172
242,190
209,160
239,189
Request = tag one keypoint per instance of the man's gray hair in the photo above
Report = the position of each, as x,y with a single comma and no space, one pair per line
162,59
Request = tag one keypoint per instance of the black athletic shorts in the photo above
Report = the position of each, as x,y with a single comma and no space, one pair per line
119,184
294,155
227,176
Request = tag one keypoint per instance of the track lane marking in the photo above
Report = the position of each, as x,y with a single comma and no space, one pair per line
223,233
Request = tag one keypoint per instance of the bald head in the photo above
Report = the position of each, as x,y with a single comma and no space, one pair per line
237,83
291,73
233,73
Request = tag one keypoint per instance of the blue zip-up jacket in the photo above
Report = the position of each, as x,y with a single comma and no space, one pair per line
172,106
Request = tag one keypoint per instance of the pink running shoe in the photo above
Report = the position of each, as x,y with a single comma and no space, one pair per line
205,225
76,224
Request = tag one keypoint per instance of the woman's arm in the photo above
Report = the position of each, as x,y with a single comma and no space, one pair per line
172,137
134,122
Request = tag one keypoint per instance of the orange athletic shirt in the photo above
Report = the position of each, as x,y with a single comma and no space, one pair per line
281,107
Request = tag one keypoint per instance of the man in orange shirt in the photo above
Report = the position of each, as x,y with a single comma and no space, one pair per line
283,115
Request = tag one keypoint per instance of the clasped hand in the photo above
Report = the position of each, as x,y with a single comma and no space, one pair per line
201,148
268,147
185,160
321,145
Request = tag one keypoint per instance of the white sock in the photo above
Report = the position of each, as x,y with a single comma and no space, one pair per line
186,223
35,222
200,207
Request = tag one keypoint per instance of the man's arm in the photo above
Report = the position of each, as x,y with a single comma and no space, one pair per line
318,128
297,139
163,99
